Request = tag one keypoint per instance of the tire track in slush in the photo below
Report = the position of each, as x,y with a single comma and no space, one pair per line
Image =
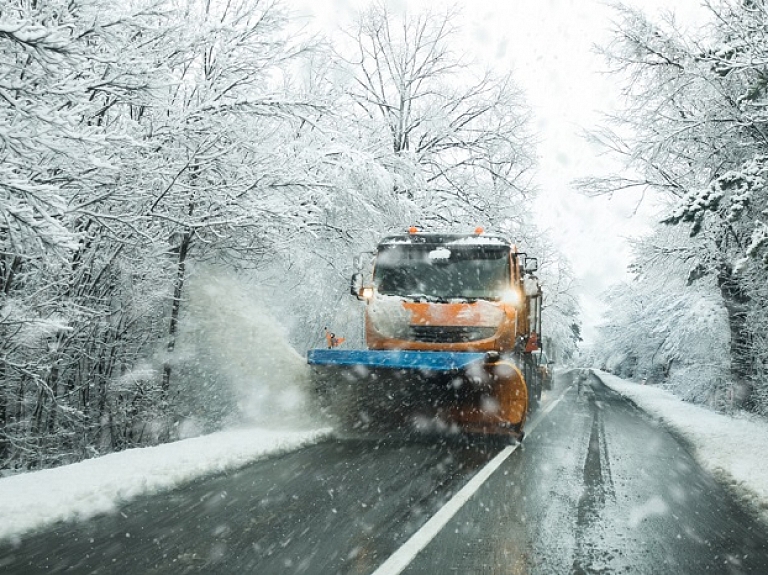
598,487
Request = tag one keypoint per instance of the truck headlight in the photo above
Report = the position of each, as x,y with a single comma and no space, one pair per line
511,297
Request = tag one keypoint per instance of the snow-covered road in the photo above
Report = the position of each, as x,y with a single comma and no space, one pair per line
597,487
731,448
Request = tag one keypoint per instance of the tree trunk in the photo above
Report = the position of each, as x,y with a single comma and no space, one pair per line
7,273
178,289
736,303
4,393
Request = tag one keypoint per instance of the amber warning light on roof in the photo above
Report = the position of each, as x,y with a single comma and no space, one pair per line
413,230
479,230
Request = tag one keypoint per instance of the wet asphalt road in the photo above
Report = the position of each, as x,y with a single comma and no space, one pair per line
596,488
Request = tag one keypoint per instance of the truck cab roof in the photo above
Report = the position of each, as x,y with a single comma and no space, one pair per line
440,239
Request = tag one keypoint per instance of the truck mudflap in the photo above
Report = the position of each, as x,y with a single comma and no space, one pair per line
386,390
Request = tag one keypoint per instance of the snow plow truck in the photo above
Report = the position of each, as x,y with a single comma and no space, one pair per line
451,321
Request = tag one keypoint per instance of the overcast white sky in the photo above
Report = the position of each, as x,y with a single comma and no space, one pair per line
548,44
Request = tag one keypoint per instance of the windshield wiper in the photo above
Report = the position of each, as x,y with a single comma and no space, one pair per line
420,297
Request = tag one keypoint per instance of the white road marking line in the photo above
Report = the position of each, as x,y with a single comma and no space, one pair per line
552,405
401,558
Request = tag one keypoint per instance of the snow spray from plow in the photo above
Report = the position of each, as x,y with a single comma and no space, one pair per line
232,345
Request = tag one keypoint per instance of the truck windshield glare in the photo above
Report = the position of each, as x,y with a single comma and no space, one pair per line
424,271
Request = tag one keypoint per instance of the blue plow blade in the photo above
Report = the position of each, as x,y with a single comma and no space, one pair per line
394,359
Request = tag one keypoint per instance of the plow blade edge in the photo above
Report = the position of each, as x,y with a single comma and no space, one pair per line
385,390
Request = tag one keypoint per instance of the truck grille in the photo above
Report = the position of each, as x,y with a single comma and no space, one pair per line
450,334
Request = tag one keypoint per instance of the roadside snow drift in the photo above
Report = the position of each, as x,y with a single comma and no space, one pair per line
34,500
731,448
240,371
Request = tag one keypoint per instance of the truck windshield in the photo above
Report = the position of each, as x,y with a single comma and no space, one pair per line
442,272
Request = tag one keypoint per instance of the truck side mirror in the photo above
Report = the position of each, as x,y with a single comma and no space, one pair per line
356,284
531,265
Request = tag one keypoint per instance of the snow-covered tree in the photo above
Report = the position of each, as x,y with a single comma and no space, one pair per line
561,325
696,123
456,139
662,329
66,68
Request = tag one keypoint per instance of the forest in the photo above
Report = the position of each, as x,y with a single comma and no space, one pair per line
694,130
172,168
175,169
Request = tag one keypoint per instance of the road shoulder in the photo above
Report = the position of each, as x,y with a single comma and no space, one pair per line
731,448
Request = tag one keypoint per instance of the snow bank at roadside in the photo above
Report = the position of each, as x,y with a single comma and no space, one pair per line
731,448
33,500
